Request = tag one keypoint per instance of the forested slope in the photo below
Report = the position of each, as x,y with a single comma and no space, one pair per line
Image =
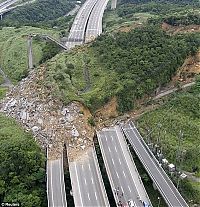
126,65
22,166
37,12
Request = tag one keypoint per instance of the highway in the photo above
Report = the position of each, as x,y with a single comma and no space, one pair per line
94,26
4,5
77,32
87,184
167,189
55,184
7,9
113,4
124,178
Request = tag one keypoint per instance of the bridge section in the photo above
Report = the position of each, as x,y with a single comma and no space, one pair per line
56,194
94,26
87,183
167,189
124,178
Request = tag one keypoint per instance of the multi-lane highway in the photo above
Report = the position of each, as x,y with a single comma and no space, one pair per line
94,26
124,178
77,32
55,184
167,189
87,184
6,4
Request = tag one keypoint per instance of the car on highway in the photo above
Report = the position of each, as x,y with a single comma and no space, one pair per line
145,204
131,203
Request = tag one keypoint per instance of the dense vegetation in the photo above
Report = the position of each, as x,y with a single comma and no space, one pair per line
37,12
22,166
126,65
187,19
180,112
155,8
143,59
13,50
179,2
48,51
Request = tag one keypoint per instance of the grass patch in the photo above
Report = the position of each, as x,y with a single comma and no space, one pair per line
3,92
1,79
13,50
112,21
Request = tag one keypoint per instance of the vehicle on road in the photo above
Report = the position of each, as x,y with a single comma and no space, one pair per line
145,204
131,203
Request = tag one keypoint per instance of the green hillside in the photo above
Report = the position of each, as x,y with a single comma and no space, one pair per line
127,65
37,12
13,49
180,112
22,164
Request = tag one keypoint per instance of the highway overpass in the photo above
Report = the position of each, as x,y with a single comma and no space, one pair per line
94,26
56,194
124,178
4,5
167,189
87,184
78,28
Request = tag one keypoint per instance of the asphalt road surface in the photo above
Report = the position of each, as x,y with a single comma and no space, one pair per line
77,32
167,189
6,4
30,53
55,182
124,178
87,184
94,26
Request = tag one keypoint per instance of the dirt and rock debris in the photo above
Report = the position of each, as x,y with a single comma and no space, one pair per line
180,29
51,123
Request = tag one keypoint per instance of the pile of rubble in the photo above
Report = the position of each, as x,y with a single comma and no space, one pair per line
51,123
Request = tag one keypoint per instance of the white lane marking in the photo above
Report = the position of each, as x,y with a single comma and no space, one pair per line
112,138
88,196
92,180
89,167
95,195
124,174
113,161
117,174
78,184
85,181
129,188
109,149
106,138
52,184
122,189
120,161
82,167
115,149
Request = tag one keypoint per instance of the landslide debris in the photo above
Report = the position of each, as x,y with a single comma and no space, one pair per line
51,122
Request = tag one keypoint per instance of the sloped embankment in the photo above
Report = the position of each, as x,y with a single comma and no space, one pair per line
51,122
